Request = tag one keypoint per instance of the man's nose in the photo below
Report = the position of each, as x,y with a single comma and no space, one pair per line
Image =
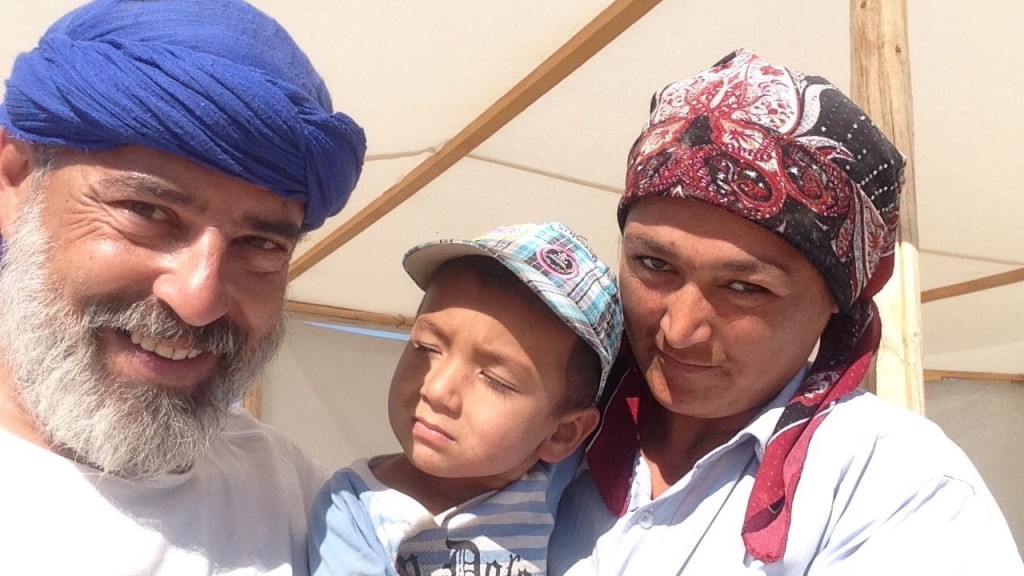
687,319
193,282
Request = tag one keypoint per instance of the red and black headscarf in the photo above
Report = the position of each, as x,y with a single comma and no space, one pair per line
791,153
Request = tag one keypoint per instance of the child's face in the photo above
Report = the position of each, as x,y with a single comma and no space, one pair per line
477,389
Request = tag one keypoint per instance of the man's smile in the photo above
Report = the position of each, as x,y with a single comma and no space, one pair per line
163,348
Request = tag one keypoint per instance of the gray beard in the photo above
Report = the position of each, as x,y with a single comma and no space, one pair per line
125,428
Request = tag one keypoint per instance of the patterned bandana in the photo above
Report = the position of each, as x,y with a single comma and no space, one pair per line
791,153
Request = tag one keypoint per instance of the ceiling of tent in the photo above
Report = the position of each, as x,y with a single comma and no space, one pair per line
415,74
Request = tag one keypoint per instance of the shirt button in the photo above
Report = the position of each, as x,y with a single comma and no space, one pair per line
645,519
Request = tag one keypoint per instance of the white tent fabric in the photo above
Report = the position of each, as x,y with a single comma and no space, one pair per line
415,74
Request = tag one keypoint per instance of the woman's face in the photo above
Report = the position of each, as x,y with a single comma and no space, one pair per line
720,312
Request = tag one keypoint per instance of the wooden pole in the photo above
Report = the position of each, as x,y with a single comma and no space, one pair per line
880,83
605,27
971,286
938,375
252,401
348,314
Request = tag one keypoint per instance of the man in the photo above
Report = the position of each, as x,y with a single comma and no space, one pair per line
758,219
159,160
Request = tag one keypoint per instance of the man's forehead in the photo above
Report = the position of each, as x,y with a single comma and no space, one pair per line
183,183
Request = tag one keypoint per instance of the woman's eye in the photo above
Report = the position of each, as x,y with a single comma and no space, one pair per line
652,263
745,287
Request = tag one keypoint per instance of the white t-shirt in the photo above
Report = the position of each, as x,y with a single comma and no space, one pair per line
240,510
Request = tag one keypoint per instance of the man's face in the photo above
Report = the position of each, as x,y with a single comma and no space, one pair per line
478,388
720,312
146,292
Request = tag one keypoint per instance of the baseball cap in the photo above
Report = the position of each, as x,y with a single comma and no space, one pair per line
556,264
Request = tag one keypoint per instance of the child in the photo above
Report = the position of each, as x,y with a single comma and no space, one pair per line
490,400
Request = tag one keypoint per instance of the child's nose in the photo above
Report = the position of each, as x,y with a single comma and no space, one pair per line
441,387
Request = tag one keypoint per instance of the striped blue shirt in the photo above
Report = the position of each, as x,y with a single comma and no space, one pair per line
359,525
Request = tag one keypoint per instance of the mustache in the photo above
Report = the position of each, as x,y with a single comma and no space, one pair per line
154,319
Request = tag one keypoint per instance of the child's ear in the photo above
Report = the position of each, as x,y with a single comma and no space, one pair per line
15,172
570,431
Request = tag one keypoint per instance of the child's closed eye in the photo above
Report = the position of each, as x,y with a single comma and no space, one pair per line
497,384
424,348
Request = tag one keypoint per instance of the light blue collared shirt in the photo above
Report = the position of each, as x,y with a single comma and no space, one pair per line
883,491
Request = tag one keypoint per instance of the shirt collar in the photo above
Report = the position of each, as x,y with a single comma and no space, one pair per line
762,426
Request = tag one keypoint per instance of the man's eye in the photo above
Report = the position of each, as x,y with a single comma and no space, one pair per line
265,244
148,211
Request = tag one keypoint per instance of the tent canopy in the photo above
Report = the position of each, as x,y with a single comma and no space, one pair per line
416,75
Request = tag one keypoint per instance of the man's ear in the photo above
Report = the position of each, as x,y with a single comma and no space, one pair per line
570,431
15,177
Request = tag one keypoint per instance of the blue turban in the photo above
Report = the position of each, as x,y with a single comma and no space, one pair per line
215,81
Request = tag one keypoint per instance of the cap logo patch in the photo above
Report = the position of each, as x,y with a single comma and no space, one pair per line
557,260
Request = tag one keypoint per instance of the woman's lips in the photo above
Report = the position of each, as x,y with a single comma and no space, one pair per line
683,364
